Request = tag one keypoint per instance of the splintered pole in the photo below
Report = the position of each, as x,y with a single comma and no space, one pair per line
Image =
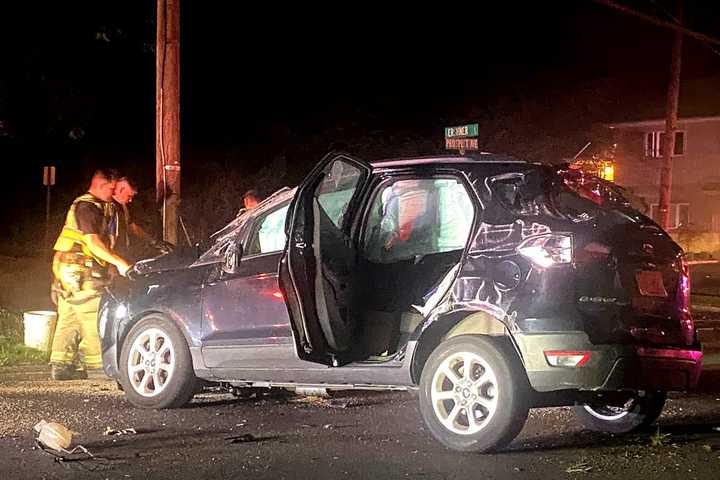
167,116
671,123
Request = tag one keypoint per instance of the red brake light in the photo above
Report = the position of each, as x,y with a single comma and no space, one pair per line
561,358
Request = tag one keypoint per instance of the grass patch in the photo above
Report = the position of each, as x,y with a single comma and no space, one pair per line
14,353
11,325
12,350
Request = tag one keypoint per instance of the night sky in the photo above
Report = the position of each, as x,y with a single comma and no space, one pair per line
77,81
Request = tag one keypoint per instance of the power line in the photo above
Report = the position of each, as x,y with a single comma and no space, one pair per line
675,20
662,23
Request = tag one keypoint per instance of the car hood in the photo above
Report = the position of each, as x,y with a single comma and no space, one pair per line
180,258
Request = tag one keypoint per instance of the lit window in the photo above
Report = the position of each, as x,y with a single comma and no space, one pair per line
655,141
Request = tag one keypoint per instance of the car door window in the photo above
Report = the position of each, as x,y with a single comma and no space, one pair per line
336,190
268,233
418,217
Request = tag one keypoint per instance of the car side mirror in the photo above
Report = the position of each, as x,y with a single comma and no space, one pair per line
233,254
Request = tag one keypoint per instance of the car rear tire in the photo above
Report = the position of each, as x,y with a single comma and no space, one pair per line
476,409
156,368
638,413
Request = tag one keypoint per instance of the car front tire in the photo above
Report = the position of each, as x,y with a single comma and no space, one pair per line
474,394
155,367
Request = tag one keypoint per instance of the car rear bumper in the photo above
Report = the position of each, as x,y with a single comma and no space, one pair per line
668,369
610,367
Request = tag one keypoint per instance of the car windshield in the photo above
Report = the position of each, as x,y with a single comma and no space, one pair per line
217,251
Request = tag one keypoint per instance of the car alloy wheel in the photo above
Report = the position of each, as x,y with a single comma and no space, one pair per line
464,393
151,362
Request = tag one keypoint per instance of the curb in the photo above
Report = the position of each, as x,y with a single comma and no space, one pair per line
705,308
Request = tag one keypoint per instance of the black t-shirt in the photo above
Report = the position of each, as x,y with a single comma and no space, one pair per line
90,219
123,243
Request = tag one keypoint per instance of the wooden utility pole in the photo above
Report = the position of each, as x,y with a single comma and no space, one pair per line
671,122
167,116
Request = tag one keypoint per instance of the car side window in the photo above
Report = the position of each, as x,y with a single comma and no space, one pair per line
522,193
268,233
418,217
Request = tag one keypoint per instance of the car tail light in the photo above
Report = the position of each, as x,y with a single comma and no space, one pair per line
683,300
548,250
567,359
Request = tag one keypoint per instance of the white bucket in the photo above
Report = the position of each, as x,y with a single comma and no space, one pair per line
39,329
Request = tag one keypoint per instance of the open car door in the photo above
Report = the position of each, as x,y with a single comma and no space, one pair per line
316,267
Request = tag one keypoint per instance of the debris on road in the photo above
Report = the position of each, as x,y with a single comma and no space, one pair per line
321,401
244,438
53,435
312,392
124,431
313,400
55,438
580,467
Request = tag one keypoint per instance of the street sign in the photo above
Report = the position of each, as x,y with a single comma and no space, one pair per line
48,176
463,131
48,181
461,144
462,138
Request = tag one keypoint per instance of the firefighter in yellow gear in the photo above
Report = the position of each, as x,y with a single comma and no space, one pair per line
80,269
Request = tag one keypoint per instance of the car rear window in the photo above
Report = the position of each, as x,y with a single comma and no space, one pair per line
544,190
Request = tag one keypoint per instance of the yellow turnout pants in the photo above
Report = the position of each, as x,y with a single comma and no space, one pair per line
76,335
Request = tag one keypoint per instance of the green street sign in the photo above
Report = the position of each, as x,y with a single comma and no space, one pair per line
463,131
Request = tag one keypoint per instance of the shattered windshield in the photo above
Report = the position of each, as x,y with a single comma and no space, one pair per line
217,252
564,193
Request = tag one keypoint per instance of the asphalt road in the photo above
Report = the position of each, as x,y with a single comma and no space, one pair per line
351,435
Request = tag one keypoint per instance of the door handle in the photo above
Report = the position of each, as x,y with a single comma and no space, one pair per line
300,245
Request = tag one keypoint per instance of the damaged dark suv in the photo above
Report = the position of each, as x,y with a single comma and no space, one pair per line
489,285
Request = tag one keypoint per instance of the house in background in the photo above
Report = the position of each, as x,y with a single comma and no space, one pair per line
695,196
